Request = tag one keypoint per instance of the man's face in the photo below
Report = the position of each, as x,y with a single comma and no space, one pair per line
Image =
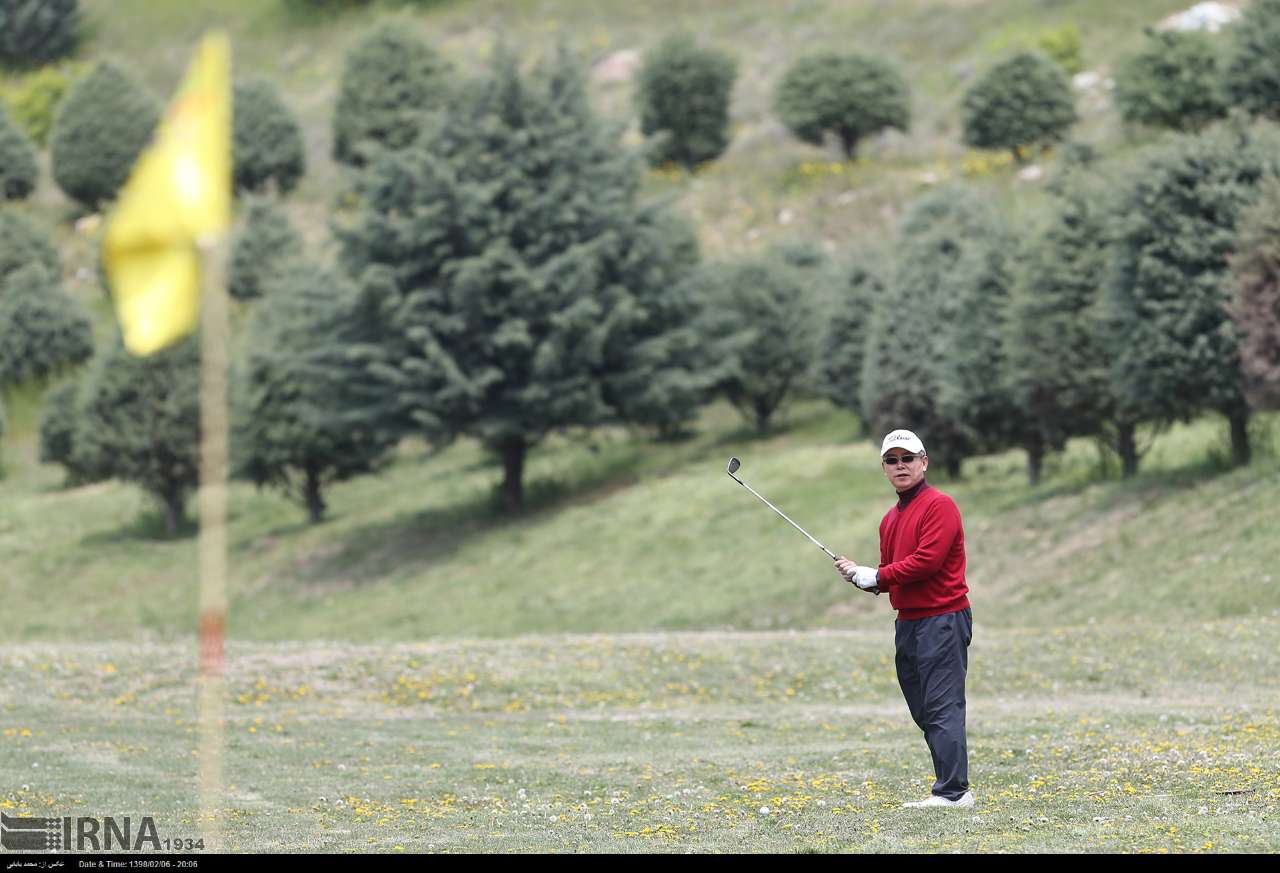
904,474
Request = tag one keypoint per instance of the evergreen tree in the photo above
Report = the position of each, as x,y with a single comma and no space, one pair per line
23,243
266,242
42,329
1168,291
845,333
140,422
18,170
1172,82
1058,354
760,323
294,431
519,267
1023,102
101,127
657,370
1255,285
846,95
973,364
267,139
925,356
684,95
1251,78
390,81
34,32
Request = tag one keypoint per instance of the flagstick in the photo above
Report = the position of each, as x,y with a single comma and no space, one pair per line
213,535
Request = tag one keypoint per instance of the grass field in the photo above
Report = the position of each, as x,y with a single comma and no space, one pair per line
1120,738
423,674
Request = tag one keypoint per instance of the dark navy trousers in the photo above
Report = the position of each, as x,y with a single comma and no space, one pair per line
932,660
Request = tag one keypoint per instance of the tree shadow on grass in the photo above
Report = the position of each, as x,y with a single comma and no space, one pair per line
371,552
1111,490
147,527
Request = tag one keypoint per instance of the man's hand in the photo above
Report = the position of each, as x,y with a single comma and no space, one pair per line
863,577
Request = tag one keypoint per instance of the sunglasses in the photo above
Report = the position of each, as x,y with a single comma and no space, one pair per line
893,461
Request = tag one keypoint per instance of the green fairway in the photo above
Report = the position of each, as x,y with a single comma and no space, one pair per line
1081,739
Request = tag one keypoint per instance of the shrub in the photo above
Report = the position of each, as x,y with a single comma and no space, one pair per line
391,79
1022,102
57,431
100,129
1251,78
267,139
18,170
1062,46
33,99
22,243
848,96
42,329
1172,82
139,421
683,92
760,322
292,432
33,32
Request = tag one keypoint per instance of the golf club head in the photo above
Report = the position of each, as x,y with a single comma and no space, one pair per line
734,464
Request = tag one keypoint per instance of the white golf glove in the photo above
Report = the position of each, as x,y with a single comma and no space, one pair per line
865,578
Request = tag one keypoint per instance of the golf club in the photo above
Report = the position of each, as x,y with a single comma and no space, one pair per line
734,464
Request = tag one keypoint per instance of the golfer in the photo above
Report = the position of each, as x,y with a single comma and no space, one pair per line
922,569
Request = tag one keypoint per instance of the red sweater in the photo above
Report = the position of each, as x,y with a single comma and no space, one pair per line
922,556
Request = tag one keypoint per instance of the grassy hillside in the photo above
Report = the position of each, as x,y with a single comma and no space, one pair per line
628,535
768,186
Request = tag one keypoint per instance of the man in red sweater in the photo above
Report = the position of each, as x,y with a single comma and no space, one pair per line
922,568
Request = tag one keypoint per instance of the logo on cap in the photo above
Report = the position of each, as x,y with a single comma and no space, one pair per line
903,438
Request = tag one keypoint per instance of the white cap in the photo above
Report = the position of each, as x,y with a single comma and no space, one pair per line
904,439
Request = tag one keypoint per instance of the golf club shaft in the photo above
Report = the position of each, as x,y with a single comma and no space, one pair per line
784,515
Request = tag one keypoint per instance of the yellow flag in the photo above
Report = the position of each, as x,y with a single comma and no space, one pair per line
178,195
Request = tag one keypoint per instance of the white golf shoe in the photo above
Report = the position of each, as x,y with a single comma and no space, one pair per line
965,799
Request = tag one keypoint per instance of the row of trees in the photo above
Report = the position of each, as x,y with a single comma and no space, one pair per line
392,82
451,317
499,277
1147,294
106,119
